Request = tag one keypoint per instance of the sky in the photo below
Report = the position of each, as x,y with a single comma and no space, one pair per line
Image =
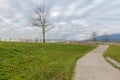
73,19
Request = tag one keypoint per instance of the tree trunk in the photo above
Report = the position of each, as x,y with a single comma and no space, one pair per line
43,34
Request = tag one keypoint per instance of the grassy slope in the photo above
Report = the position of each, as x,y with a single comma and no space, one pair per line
37,61
113,52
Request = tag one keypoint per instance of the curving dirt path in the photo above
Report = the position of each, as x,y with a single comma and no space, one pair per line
94,67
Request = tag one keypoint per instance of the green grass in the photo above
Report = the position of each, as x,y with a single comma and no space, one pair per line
114,53
38,61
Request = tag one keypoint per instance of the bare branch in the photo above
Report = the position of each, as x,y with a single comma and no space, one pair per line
41,18
49,28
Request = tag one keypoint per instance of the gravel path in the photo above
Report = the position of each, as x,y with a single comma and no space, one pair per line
94,67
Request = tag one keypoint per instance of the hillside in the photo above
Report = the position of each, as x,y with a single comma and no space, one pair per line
110,37
38,61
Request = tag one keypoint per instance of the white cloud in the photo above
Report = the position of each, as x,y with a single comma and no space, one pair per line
73,19
63,23
7,21
55,14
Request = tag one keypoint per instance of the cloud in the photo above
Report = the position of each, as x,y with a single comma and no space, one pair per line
55,14
72,19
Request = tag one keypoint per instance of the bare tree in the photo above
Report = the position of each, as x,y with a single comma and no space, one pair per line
94,37
41,19
106,39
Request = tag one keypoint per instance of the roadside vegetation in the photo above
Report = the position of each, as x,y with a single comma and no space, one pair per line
113,52
39,61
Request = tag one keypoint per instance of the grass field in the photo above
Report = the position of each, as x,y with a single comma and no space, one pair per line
113,52
38,61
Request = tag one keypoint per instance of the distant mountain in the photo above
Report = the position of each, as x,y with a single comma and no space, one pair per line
112,37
